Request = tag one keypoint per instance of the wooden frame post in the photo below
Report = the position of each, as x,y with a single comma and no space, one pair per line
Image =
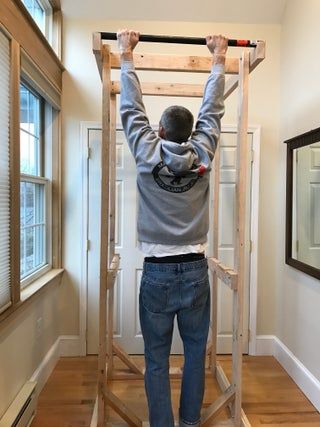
104,256
215,243
241,197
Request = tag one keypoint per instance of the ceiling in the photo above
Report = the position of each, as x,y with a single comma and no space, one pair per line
240,11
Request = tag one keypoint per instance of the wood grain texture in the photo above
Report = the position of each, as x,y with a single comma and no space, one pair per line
270,397
241,195
104,232
198,64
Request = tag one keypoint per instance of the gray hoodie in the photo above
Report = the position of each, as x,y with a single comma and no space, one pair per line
172,178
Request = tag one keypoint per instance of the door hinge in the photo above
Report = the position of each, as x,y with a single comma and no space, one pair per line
249,335
297,246
88,152
250,246
87,245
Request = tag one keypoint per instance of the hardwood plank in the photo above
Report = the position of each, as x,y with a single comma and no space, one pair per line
270,397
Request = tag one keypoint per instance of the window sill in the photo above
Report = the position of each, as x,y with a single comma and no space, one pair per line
31,293
52,276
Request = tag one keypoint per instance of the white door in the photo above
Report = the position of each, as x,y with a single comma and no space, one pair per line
308,204
227,236
126,316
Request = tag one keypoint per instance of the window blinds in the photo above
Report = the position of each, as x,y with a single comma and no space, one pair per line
5,294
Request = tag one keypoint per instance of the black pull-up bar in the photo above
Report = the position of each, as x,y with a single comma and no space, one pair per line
180,40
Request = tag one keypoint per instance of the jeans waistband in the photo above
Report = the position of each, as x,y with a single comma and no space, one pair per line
175,267
175,258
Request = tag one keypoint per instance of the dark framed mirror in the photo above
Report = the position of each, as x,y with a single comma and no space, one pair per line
303,203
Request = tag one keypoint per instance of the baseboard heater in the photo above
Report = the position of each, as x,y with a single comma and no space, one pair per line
22,410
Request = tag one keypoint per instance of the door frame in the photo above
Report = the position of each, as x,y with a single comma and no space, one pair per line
255,130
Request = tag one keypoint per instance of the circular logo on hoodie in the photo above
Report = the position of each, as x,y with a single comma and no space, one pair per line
173,183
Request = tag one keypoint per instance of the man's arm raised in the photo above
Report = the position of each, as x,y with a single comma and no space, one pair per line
208,126
133,114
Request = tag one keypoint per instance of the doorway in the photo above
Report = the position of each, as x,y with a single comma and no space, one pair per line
126,317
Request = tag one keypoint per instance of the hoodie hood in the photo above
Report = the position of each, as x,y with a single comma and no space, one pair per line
179,158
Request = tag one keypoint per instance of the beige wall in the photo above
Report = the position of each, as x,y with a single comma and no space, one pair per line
82,101
22,347
298,295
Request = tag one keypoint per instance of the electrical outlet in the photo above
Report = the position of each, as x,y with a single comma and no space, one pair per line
39,327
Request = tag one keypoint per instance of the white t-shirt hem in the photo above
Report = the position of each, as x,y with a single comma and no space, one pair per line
157,250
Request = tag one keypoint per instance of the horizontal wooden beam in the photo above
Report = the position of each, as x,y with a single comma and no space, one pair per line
226,274
184,90
165,89
113,271
198,64
175,373
217,406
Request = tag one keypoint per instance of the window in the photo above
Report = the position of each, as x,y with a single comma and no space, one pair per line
30,155
34,188
41,12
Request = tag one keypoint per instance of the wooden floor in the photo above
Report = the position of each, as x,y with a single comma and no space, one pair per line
270,397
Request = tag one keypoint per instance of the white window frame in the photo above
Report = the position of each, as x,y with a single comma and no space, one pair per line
48,227
48,21
45,150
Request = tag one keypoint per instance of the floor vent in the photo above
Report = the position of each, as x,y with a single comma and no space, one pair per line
22,410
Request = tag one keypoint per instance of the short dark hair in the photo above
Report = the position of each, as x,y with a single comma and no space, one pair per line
177,123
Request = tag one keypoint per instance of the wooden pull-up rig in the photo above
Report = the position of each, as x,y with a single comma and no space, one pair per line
239,69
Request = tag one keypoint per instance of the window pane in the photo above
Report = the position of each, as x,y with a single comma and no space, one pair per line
32,215
29,132
29,154
37,12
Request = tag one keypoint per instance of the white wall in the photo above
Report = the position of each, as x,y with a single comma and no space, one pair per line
22,346
82,101
298,295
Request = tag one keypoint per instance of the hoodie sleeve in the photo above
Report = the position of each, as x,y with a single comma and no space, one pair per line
141,138
208,126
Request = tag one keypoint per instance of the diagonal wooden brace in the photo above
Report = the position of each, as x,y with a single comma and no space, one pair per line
216,407
120,408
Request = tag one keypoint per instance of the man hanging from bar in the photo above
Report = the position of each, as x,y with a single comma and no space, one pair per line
173,169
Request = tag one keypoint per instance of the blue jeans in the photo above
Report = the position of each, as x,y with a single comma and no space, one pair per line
167,290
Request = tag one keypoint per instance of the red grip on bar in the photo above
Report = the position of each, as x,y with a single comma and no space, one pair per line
243,42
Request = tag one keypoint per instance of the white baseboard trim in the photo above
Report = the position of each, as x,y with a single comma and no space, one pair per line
265,345
304,379
70,345
270,345
42,373
64,346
